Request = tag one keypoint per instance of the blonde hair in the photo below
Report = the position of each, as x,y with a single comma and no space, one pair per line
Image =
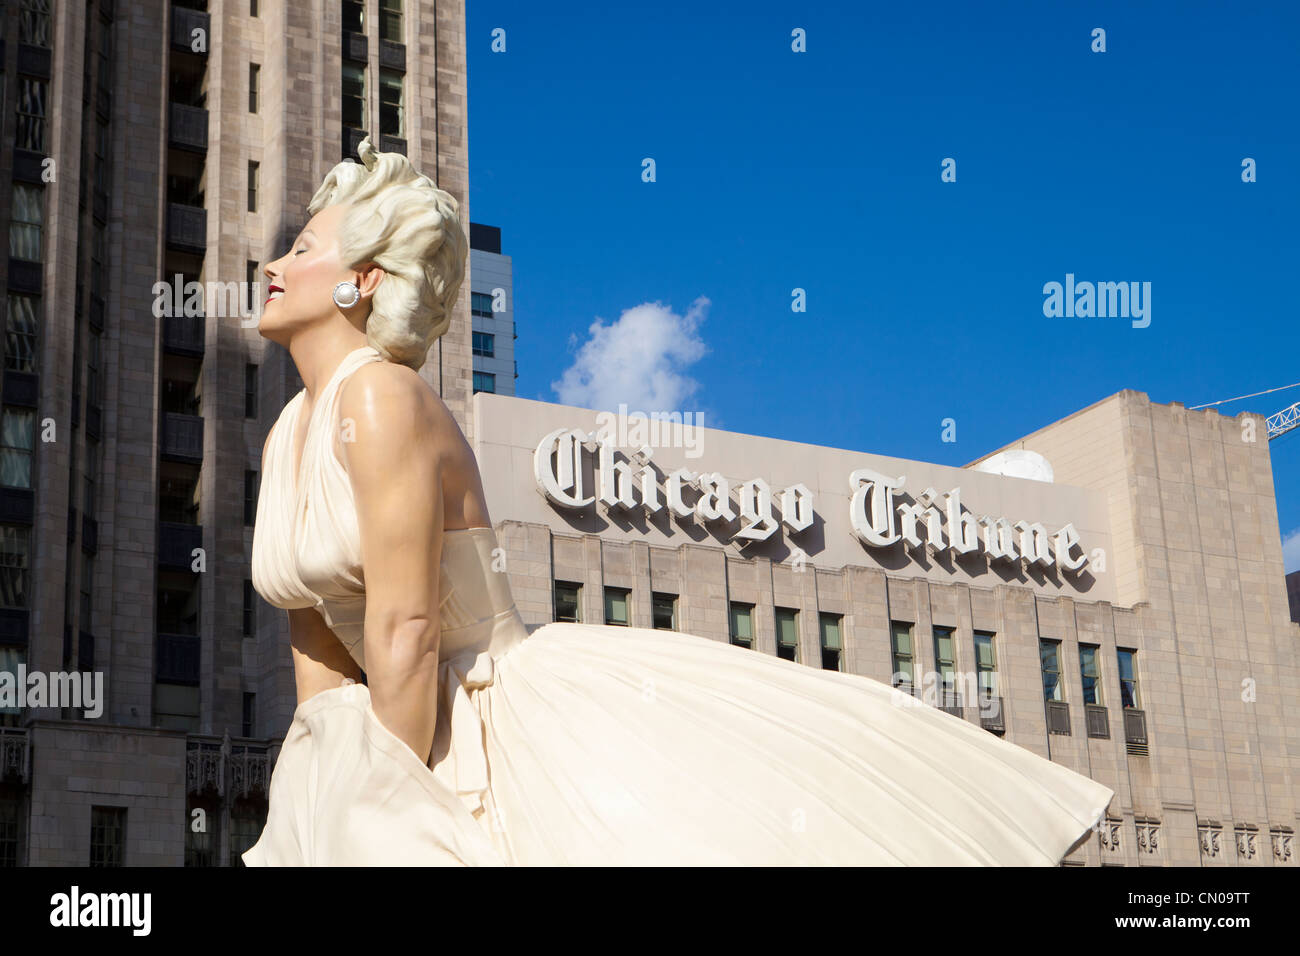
403,222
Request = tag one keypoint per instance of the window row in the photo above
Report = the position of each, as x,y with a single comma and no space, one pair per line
1049,653
34,23
390,19
26,222
663,616
568,607
392,112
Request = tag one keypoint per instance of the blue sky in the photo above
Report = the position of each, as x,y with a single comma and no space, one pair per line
820,170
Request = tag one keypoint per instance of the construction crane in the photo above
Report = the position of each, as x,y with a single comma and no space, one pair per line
1283,421
1278,424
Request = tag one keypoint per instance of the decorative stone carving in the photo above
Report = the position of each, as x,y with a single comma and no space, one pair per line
1211,837
1246,840
224,768
205,769
1110,835
1148,835
1281,838
15,755
250,771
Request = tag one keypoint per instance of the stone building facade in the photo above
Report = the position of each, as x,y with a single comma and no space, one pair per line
1165,669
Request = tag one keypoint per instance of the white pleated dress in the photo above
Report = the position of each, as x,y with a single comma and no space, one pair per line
600,745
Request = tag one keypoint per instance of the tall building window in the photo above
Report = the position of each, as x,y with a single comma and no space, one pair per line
616,606
1090,671
200,846
250,714
72,497
89,475
354,16
1049,654
34,23
107,836
1128,681
832,628
664,611
480,304
98,257
252,8
11,658
787,633
103,155
900,641
484,344
250,609
354,96
742,624
252,186
93,393
250,497
254,81
390,20
17,428
568,601
20,333
15,552
105,57
69,557
246,825
986,665
31,114
392,120
485,382
8,827
26,221
250,390
252,285
87,591
945,660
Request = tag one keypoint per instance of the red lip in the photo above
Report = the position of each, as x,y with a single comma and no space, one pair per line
271,291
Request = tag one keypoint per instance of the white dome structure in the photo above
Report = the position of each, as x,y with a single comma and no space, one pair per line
1018,463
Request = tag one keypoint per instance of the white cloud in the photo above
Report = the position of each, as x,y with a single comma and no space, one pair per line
1291,551
637,360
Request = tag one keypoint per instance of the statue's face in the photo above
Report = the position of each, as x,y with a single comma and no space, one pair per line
300,284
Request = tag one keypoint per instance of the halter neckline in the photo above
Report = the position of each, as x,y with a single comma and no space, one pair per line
322,399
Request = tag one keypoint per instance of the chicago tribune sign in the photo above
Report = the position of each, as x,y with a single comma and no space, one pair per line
933,521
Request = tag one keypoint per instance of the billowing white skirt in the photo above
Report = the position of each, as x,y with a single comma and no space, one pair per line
600,745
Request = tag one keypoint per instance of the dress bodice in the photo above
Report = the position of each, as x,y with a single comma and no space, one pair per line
307,553
307,544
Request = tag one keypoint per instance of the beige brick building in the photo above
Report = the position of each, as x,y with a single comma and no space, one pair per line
1165,668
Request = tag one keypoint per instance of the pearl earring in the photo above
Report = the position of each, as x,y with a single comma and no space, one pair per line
343,290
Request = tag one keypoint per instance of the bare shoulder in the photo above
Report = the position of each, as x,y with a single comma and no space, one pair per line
393,401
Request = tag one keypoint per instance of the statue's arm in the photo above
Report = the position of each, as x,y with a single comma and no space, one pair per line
390,436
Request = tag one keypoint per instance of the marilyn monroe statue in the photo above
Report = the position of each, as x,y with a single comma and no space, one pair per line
433,728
